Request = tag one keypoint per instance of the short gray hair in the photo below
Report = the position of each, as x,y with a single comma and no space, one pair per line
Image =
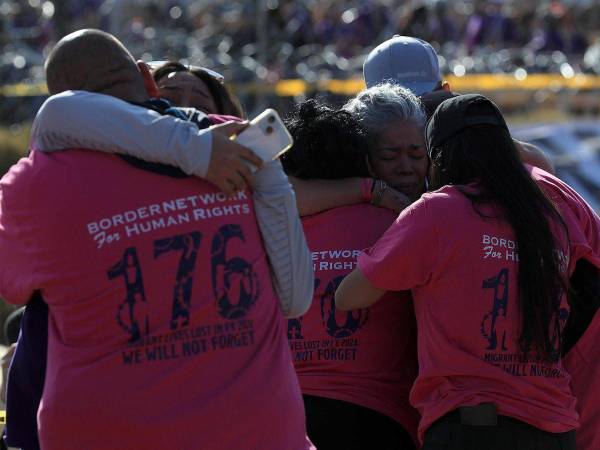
377,106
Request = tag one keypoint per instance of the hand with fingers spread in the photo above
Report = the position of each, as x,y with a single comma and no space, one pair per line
228,168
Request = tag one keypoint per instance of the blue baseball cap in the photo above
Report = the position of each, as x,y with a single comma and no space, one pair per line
407,61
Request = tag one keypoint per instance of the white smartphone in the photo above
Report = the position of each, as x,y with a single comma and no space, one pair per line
266,135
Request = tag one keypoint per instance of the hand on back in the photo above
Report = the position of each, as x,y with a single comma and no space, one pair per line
394,200
228,168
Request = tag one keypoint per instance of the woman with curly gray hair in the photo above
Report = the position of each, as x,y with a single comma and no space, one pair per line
394,121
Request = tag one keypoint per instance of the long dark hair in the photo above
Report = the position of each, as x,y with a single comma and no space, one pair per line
225,101
486,155
328,143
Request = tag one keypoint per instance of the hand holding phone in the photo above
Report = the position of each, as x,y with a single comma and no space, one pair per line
266,136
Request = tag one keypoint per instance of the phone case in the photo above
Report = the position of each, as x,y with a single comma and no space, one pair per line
266,135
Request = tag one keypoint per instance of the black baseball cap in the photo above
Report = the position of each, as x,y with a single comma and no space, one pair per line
459,113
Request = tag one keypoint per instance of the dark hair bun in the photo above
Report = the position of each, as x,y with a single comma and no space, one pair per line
328,143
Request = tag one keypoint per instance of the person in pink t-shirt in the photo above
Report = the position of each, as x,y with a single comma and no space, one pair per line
583,327
355,369
487,257
582,359
164,326
583,364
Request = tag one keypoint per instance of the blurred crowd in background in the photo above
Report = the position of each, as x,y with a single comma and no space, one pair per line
271,40
265,41
311,39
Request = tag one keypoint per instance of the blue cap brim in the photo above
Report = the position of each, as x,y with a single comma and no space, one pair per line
420,88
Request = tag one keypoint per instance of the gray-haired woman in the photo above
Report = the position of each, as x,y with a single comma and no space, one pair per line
394,121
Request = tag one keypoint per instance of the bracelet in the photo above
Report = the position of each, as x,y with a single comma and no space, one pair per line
367,185
380,188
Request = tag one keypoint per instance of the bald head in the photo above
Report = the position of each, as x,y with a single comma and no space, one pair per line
95,61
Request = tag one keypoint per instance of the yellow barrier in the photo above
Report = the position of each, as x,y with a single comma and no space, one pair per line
503,82
293,87
23,90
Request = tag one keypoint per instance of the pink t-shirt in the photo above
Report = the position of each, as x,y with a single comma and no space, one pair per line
583,361
583,364
462,270
164,329
583,223
366,357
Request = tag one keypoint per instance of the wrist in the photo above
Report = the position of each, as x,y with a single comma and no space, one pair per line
379,188
367,185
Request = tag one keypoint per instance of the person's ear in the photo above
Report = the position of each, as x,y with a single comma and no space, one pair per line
149,83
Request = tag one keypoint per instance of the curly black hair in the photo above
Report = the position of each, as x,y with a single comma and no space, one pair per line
328,143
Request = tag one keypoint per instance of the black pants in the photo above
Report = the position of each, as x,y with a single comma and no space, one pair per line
448,433
338,425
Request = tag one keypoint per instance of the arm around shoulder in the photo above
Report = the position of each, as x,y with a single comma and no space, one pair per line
284,239
80,119
356,291
315,196
534,156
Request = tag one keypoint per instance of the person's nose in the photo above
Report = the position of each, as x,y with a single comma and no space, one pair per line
403,165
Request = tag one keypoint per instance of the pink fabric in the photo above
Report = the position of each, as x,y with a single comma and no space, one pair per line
164,329
582,221
583,364
583,361
365,357
222,118
462,271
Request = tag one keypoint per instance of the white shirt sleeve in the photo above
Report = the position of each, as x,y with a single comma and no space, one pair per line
284,240
80,119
